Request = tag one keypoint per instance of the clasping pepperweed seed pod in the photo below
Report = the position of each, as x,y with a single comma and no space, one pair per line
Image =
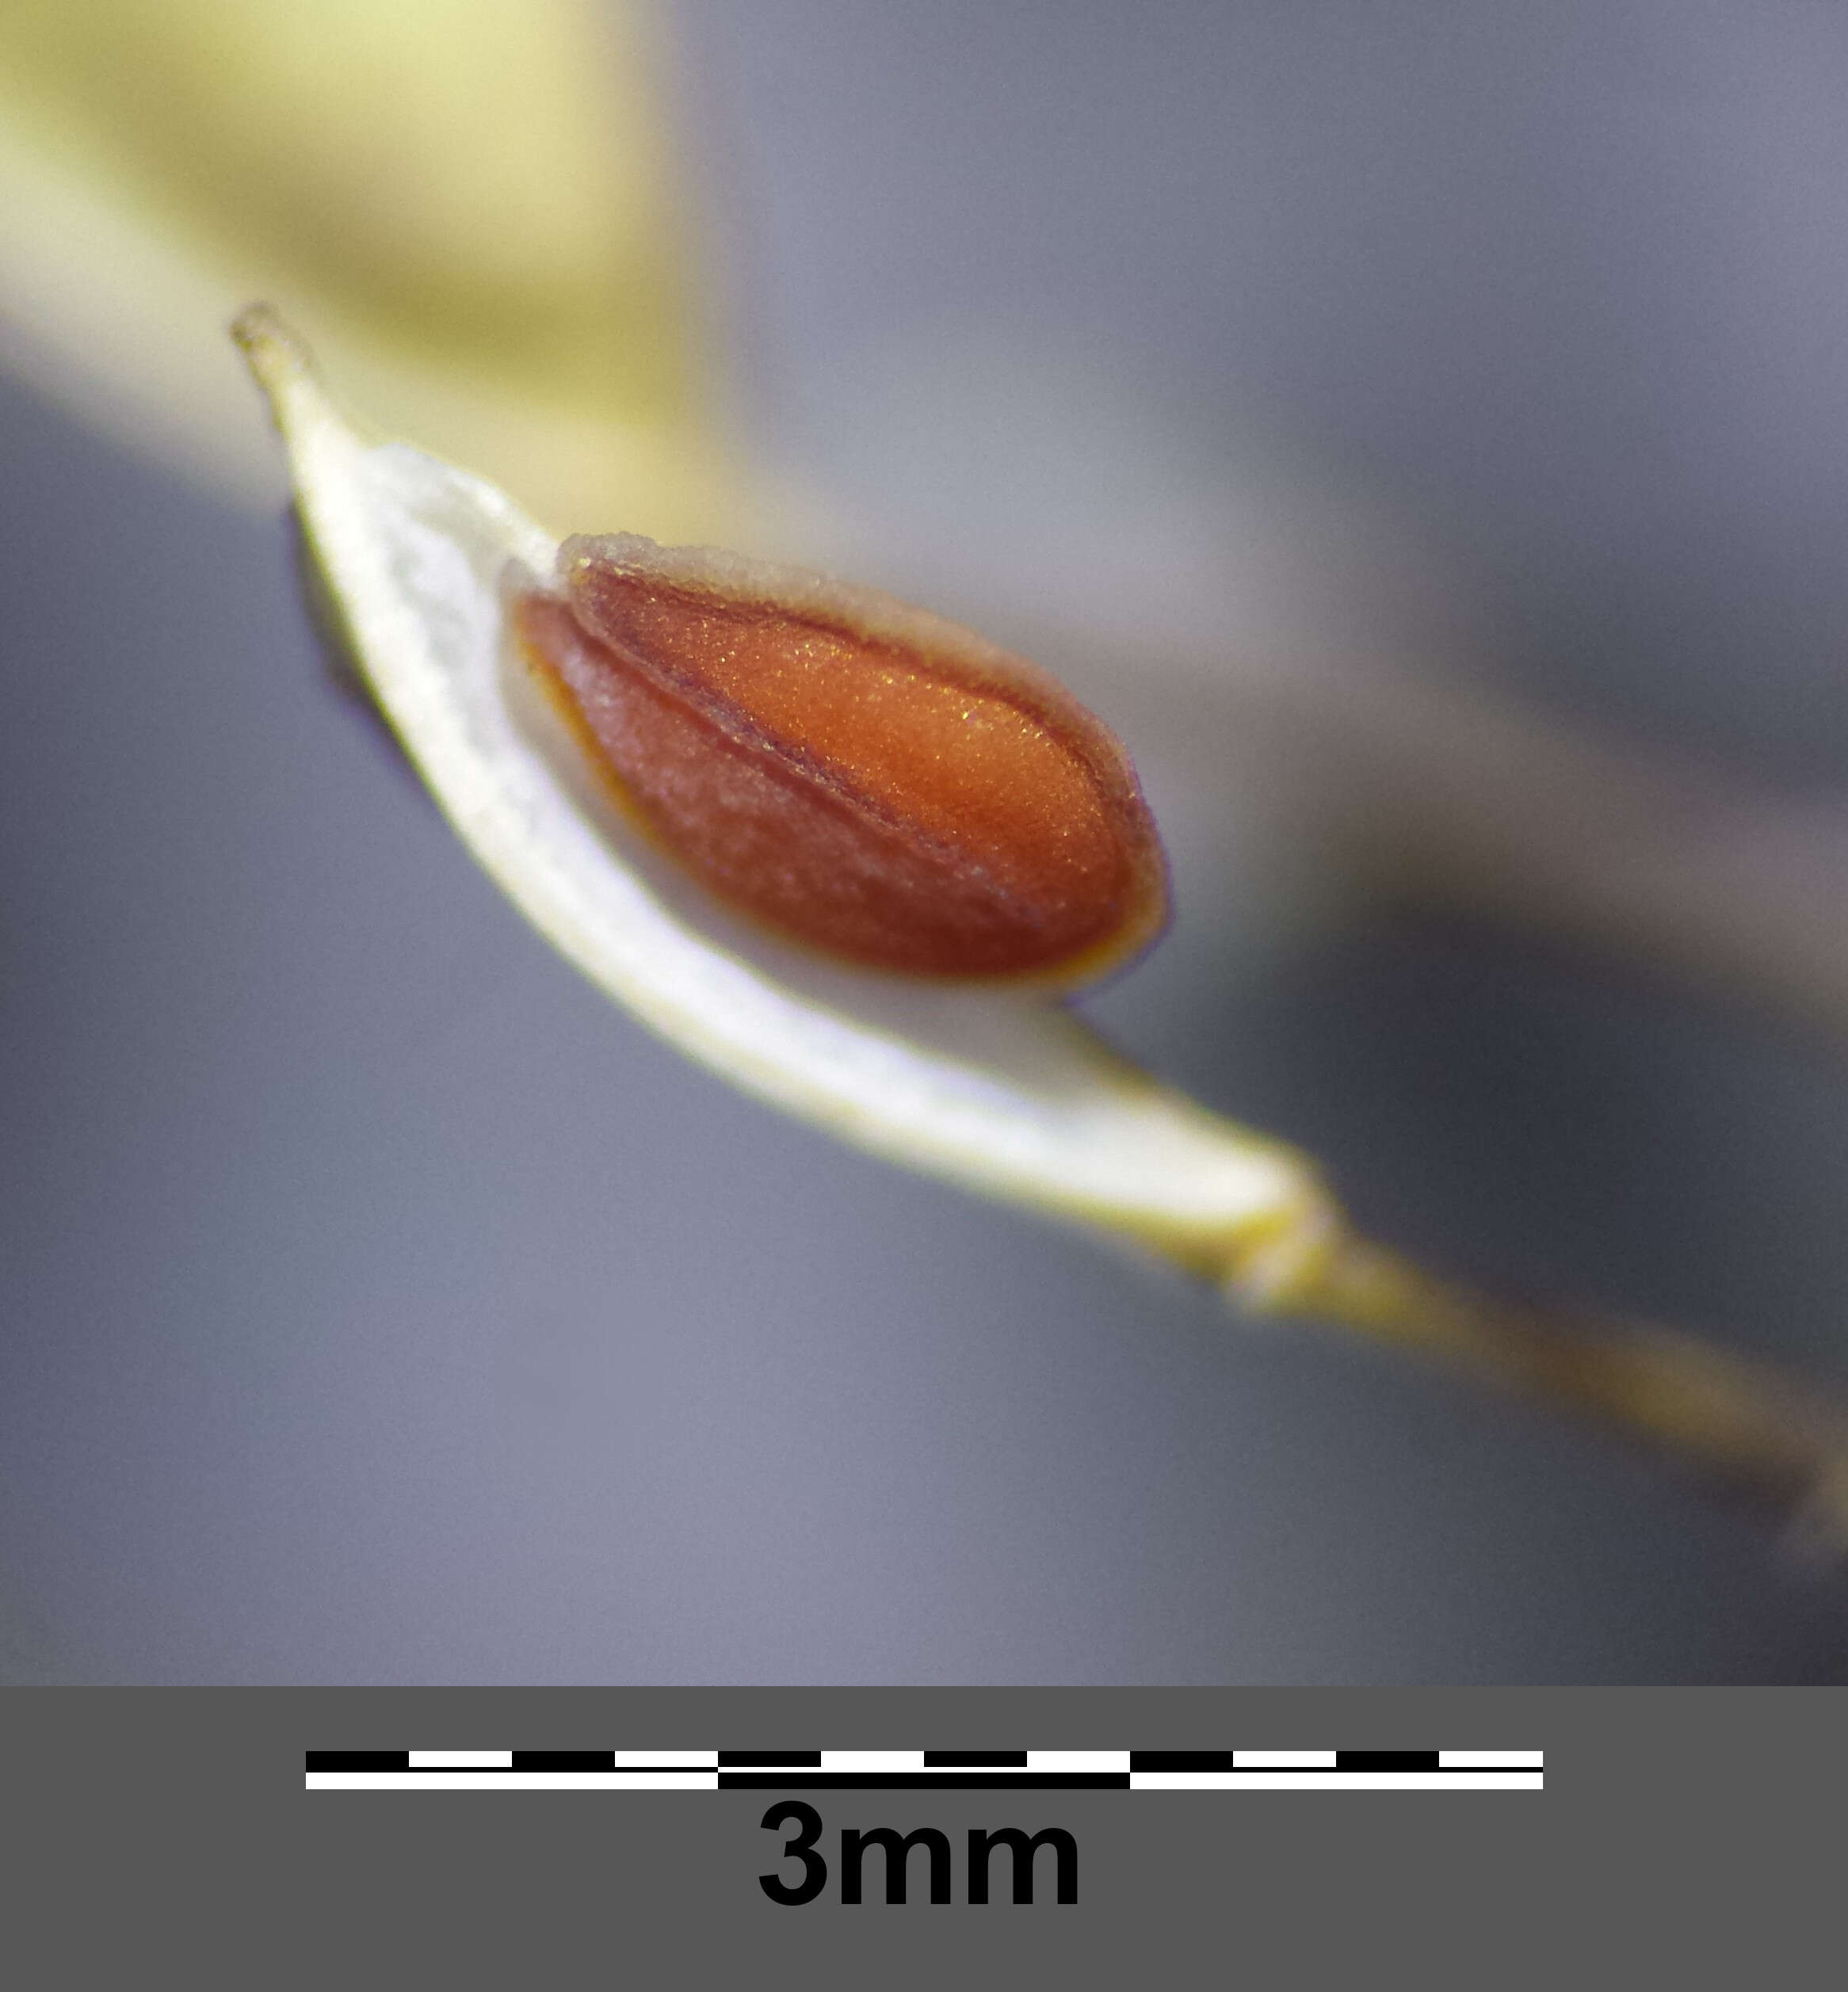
848,857
746,802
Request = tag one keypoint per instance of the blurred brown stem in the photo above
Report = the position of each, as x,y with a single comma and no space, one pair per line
1732,1419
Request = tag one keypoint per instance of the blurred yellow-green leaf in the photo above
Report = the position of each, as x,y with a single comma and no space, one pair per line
471,203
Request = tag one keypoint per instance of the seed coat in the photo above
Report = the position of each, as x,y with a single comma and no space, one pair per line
858,776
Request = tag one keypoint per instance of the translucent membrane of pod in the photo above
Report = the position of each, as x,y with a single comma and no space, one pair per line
856,774
997,1090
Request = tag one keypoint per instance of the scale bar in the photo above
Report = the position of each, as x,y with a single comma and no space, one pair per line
1198,1770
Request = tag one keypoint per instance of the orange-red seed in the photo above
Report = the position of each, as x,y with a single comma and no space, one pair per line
885,790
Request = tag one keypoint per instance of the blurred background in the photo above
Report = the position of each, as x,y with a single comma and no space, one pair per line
1423,431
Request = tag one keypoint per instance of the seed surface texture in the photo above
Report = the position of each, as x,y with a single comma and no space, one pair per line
856,776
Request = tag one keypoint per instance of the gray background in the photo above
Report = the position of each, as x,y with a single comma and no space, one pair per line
377,1305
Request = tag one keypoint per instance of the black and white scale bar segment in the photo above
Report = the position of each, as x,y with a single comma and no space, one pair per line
836,1770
